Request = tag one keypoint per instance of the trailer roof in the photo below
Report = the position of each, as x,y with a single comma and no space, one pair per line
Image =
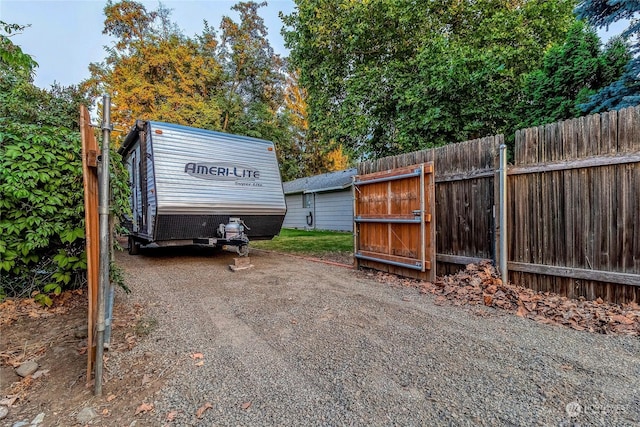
140,125
331,181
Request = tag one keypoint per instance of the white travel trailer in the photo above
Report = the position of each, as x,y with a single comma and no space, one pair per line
198,187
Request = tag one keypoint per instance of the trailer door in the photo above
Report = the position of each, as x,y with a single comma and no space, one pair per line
135,186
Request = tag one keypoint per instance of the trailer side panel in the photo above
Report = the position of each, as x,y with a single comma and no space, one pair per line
209,173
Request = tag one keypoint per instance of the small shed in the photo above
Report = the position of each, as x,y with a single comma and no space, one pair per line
320,202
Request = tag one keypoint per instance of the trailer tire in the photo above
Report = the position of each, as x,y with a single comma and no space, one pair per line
134,247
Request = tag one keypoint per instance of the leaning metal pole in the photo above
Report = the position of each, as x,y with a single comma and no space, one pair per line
103,210
503,214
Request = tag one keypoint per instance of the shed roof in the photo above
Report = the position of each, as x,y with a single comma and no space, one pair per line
332,181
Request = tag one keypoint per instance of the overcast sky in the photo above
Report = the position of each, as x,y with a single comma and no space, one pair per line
65,36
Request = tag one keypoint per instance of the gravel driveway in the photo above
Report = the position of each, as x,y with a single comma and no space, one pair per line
293,342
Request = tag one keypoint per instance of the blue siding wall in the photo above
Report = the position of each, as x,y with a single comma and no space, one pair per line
331,211
334,211
296,216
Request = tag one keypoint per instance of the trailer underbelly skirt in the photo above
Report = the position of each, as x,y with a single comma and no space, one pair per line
179,227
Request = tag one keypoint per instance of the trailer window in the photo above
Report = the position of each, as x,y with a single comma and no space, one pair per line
306,200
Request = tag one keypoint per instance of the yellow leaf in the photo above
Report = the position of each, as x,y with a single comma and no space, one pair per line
144,408
202,409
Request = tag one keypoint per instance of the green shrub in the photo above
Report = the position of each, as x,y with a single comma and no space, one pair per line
41,210
41,187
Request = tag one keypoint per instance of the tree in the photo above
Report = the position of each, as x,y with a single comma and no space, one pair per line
624,92
21,101
154,72
41,186
337,159
389,76
302,153
231,81
11,55
290,150
571,72
254,82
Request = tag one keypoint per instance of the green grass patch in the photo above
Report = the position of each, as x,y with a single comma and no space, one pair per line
307,242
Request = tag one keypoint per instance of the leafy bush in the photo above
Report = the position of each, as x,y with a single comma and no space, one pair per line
41,209
41,187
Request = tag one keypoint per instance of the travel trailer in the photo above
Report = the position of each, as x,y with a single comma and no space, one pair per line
192,186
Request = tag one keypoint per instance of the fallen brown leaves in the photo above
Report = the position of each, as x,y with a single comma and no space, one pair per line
144,408
479,284
20,389
124,317
12,309
15,356
200,412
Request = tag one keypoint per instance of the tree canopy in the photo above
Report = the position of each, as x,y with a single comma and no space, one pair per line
571,72
624,92
41,202
153,71
388,76
230,81
11,55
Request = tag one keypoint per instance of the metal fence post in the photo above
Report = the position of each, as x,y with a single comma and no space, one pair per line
105,249
503,213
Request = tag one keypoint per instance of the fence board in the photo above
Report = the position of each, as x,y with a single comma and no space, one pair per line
92,242
617,159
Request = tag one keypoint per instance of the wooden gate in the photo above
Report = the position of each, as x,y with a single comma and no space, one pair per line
394,213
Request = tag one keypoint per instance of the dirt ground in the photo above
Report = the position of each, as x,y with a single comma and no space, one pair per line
56,339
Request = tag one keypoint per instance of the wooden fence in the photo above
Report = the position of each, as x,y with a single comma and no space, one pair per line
573,205
464,176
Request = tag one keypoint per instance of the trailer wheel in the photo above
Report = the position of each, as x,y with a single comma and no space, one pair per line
134,247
